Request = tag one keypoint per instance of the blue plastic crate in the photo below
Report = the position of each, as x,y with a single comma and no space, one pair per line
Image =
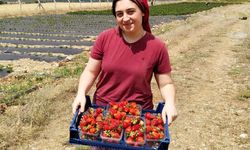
75,138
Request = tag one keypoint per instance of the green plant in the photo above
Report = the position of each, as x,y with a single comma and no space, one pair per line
2,2
62,72
244,94
1,67
235,71
182,8
96,12
9,69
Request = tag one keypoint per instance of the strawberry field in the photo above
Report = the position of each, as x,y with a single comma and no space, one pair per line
52,38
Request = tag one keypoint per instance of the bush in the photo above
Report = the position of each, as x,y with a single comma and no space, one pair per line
2,2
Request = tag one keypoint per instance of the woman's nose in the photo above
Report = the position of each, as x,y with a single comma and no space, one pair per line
126,18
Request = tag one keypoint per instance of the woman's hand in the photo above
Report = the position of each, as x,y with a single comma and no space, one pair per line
79,102
171,113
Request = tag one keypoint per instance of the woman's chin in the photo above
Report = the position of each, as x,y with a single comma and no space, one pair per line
128,29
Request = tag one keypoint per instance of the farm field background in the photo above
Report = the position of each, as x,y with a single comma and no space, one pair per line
45,54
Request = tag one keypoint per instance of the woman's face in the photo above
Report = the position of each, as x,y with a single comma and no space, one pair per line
128,16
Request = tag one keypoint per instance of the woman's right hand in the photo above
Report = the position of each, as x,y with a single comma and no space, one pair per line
79,102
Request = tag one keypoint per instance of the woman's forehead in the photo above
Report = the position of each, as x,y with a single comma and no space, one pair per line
124,5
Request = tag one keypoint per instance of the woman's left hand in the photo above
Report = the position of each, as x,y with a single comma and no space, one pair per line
171,113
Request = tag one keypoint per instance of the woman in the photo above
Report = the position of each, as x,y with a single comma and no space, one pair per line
125,59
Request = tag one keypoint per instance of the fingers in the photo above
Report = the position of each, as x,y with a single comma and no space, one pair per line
74,108
163,115
82,108
171,119
79,103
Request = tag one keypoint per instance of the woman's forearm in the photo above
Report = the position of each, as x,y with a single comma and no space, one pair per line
168,94
88,76
87,80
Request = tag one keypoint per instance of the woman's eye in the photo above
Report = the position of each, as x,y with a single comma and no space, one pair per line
119,14
130,12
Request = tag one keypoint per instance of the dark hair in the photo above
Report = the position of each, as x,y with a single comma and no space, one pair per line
137,2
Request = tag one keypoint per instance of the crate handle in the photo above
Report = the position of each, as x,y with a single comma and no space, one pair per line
73,123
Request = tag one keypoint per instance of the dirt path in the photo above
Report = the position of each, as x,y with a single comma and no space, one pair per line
203,57
205,49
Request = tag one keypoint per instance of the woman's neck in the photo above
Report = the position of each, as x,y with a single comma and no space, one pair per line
133,37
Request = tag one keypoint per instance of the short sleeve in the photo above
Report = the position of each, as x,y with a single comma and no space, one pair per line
163,63
97,50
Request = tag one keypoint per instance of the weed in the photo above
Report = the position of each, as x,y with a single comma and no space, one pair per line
244,94
78,70
50,54
235,71
62,72
8,69
1,67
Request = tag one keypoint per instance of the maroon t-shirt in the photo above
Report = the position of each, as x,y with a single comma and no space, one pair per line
127,68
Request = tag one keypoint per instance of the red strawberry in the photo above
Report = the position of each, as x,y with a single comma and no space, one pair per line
126,123
92,130
133,105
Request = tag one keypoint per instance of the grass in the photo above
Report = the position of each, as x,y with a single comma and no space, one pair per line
235,71
164,9
182,8
94,12
244,94
23,122
24,84
240,70
228,1
33,111
8,69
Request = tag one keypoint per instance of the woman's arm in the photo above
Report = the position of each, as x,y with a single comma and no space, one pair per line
167,89
87,79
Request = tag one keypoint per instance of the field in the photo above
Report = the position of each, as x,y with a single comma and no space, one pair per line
47,8
209,52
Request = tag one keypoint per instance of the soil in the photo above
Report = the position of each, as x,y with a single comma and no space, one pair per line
204,50
14,10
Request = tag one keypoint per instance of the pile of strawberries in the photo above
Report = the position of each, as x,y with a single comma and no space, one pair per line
134,130
123,117
91,123
154,128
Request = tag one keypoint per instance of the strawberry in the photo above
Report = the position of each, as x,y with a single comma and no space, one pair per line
92,130
148,116
133,105
99,110
118,116
126,123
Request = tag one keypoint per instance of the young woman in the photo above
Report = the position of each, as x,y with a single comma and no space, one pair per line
125,58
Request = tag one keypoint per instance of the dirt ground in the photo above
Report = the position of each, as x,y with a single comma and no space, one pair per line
210,54
13,10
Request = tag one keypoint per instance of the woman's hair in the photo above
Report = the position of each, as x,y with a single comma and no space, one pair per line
143,6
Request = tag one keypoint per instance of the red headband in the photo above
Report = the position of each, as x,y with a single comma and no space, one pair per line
145,22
